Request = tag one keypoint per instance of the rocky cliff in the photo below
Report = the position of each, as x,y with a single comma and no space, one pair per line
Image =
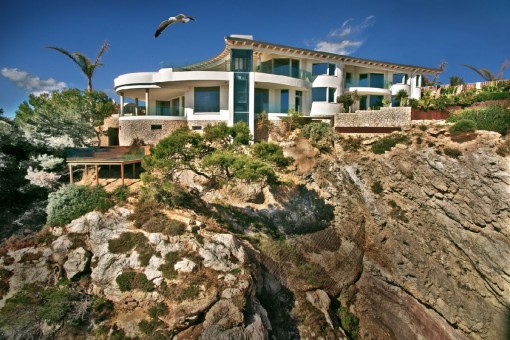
413,243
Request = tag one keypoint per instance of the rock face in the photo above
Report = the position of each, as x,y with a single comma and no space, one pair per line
413,242
428,256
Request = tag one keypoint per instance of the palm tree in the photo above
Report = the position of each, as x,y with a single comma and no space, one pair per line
402,96
488,75
85,64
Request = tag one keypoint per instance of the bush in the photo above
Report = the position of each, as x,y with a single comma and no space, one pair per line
463,125
491,118
121,193
128,241
133,280
377,188
73,201
349,322
167,268
240,133
386,143
271,152
320,135
351,144
454,153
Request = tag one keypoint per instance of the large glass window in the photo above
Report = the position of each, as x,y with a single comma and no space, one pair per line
281,67
363,102
398,78
295,68
241,96
241,60
319,94
284,101
377,80
162,108
207,99
363,80
298,102
175,109
376,102
331,69
261,100
318,69
331,94
348,79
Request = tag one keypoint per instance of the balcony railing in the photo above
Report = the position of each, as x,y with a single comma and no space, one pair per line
378,85
153,111
258,67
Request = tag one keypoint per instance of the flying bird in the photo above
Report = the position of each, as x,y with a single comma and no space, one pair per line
181,18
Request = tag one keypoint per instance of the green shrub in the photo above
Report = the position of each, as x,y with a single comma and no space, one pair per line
485,96
160,309
349,322
491,118
121,193
351,144
377,188
271,152
217,133
423,127
190,292
149,327
463,125
73,201
167,268
320,135
240,133
133,280
454,153
386,143
128,241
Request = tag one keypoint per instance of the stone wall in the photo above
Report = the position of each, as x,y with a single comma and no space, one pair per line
385,117
109,122
194,124
150,130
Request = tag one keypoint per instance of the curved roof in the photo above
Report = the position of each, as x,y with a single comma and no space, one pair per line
233,42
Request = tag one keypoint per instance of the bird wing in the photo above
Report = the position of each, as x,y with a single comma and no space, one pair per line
164,25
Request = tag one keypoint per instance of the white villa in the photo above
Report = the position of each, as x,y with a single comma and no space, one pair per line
249,77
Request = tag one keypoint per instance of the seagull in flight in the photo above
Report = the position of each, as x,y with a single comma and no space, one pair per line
181,18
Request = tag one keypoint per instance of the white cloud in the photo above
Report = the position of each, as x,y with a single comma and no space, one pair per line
346,39
31,83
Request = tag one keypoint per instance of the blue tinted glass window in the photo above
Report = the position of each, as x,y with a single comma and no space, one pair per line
318,69
319,94
398,78
298,102
261,100
363,80
241,60
331,69
295,68
207,99
377,80
376,101
284,101
363,102
162,108
281,67
331,94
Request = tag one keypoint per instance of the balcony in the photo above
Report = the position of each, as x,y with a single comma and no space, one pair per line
365,88
130,110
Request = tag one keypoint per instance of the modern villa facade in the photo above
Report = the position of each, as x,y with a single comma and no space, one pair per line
250,77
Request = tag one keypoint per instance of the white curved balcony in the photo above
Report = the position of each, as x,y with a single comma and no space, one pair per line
326,81
397,87
324,109
281,80
370,90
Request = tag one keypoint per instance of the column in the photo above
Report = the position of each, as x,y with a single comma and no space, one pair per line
122,104
136,106
147,102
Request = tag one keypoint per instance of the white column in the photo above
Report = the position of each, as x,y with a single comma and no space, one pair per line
413,87
136,106
339,73
251,106
122,104
147,102
230,98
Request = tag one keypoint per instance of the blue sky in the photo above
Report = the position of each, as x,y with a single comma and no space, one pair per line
411,32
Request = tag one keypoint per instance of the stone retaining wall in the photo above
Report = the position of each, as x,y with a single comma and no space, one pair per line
146,129
385,117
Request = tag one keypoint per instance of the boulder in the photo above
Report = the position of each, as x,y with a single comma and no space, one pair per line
77,262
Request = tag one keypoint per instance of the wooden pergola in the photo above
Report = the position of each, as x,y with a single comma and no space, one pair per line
96,165
107,156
